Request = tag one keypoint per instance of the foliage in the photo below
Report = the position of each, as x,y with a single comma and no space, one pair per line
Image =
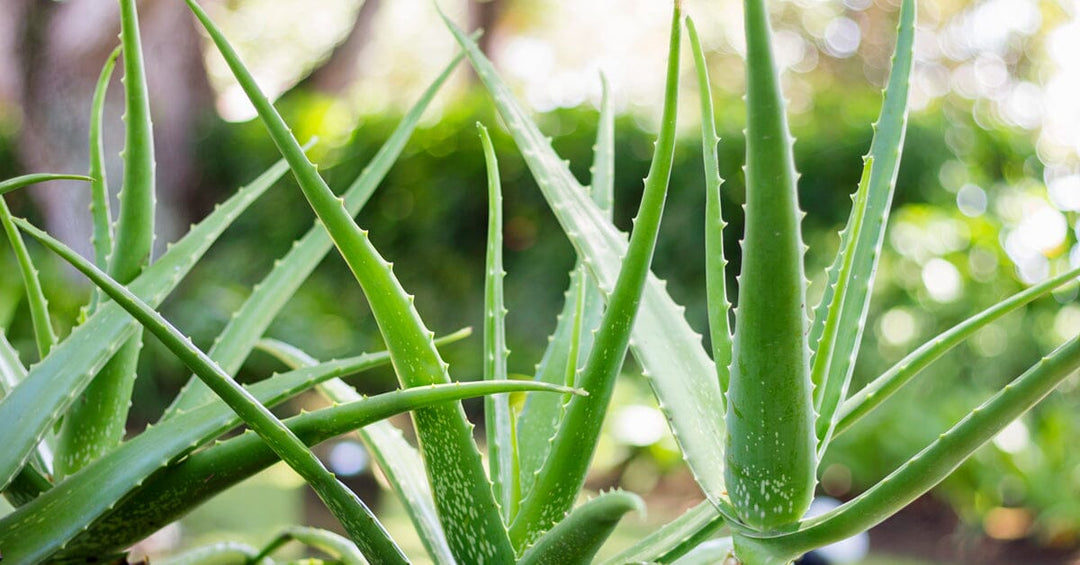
754,418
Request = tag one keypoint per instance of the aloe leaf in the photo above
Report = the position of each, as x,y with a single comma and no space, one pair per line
128,466
30,482
401,464
563,472
34,178
670,352
674,539
44,336
602,185
330,543
771,458
820,369
173,491
355,517
540,416
12,369
466,503
578,537
502,454
583,306
715,262
102,235
934,463
135,223
96,422
52,385
883,161
249,323
880,389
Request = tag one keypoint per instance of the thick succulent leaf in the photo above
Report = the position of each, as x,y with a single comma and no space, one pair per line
674,539
102,236
44,336
97,419
715,262
563,473
135,221
670,352
467,506
30,482
96,422
884,163
53,384
771,458
578,537
341,549
934,463
602,185
502,449
820,369
249,323
880,389
355,517
84,497
177,489
34,178
565,353
399,461
12,369
583,306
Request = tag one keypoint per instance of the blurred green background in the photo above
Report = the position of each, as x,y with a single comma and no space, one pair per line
986,204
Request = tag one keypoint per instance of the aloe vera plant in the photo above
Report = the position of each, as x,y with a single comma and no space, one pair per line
752,417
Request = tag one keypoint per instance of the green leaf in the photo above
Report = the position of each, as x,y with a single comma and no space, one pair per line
44,335
502,452
715,262
173,491
674,539
94,491
820,371
883,161
34,178
583,307
882,388
96,423
578,537
102,235
602,186
669,351
466,503
135,223
563,473
53,384
355,517
400,463
937,461
30,482
249,323
771,448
